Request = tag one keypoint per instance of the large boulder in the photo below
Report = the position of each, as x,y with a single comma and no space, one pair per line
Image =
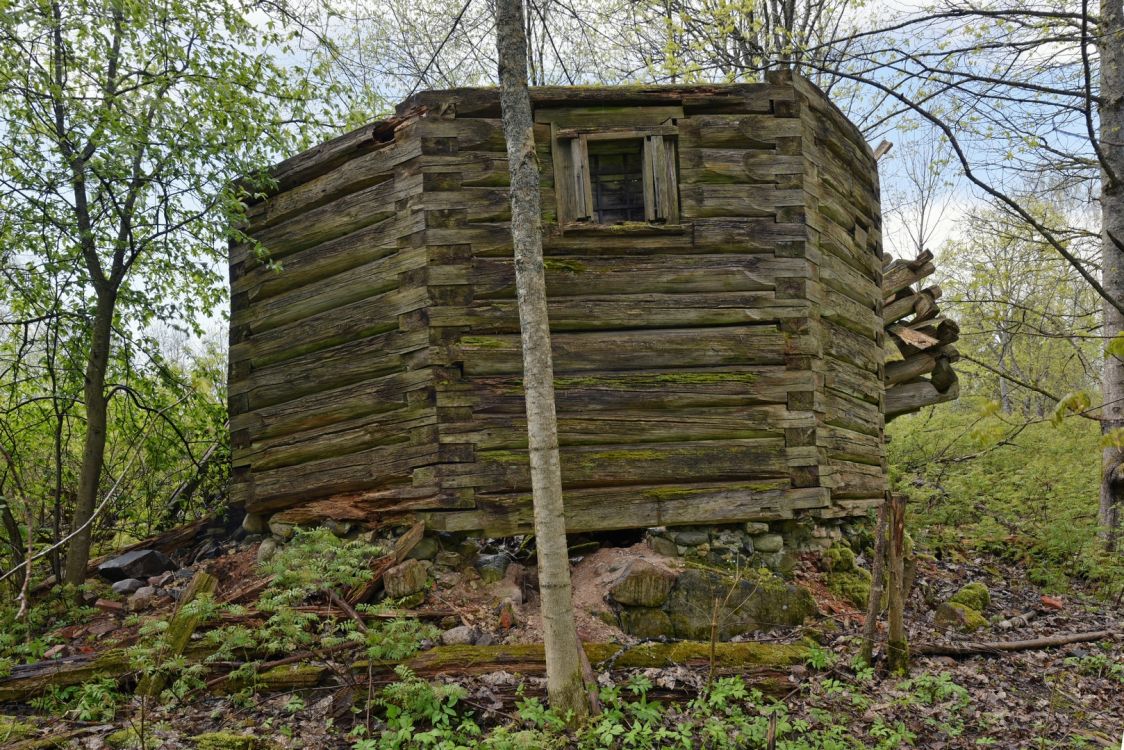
756,600
140,564
642,584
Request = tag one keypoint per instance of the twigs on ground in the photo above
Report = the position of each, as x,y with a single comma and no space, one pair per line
984,648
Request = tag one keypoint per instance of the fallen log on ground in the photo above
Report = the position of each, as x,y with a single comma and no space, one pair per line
28,681
983,648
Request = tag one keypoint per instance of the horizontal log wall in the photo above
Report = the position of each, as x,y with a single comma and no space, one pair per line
682,354
720,370
331,390
843,217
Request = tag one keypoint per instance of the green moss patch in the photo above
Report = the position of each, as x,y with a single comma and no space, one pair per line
974,596
851,585
956,616
12,729
230,741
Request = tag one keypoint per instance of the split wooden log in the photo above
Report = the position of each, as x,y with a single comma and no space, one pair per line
877,581
900,274
984,648
907,303
402,547
26,682
897,648
180,629
916,395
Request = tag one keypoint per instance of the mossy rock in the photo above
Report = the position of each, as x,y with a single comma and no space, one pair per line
757,600
12,729
646,622
956,616
851,585
839,558
974,596
230,741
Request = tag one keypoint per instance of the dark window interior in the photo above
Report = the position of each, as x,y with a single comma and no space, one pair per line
616,176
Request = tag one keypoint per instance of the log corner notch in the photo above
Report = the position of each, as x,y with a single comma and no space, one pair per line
923,375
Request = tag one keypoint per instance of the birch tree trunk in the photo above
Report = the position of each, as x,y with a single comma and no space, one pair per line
565,686
1110,43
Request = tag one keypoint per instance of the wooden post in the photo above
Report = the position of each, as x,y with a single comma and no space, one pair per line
877,576
898,648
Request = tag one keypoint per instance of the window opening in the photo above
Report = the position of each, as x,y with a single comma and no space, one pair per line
616,177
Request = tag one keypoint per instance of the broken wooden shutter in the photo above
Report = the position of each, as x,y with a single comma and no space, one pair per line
661,185
571,176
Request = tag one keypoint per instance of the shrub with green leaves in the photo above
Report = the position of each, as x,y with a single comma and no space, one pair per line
1028,492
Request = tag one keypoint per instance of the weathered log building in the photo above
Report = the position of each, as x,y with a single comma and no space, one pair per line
717,293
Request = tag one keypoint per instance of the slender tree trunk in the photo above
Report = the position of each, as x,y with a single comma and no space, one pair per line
565,686
897,648
93,452
1111,48
877,577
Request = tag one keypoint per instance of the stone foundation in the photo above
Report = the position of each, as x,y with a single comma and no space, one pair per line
755,544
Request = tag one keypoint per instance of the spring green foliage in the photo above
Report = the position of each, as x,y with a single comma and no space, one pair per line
1026,492
97,700
124,124
729,714
309,565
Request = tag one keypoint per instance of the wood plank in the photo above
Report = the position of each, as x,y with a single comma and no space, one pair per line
840,410
337,439
735,165
848,445
340,255
911,397
495,431
842,344
648,391
743,131
581,275
325,407
362,171
585,352
841,278
332,220
383,466
700,201
637,507
853,480
326,156
330,368
742,235
628,311
586,466
358,320
363,281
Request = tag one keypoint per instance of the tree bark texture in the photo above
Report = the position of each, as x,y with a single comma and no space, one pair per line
1111,48
877,576
93,453
897,651
565,686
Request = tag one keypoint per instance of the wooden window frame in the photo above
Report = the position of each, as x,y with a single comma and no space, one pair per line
572,185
